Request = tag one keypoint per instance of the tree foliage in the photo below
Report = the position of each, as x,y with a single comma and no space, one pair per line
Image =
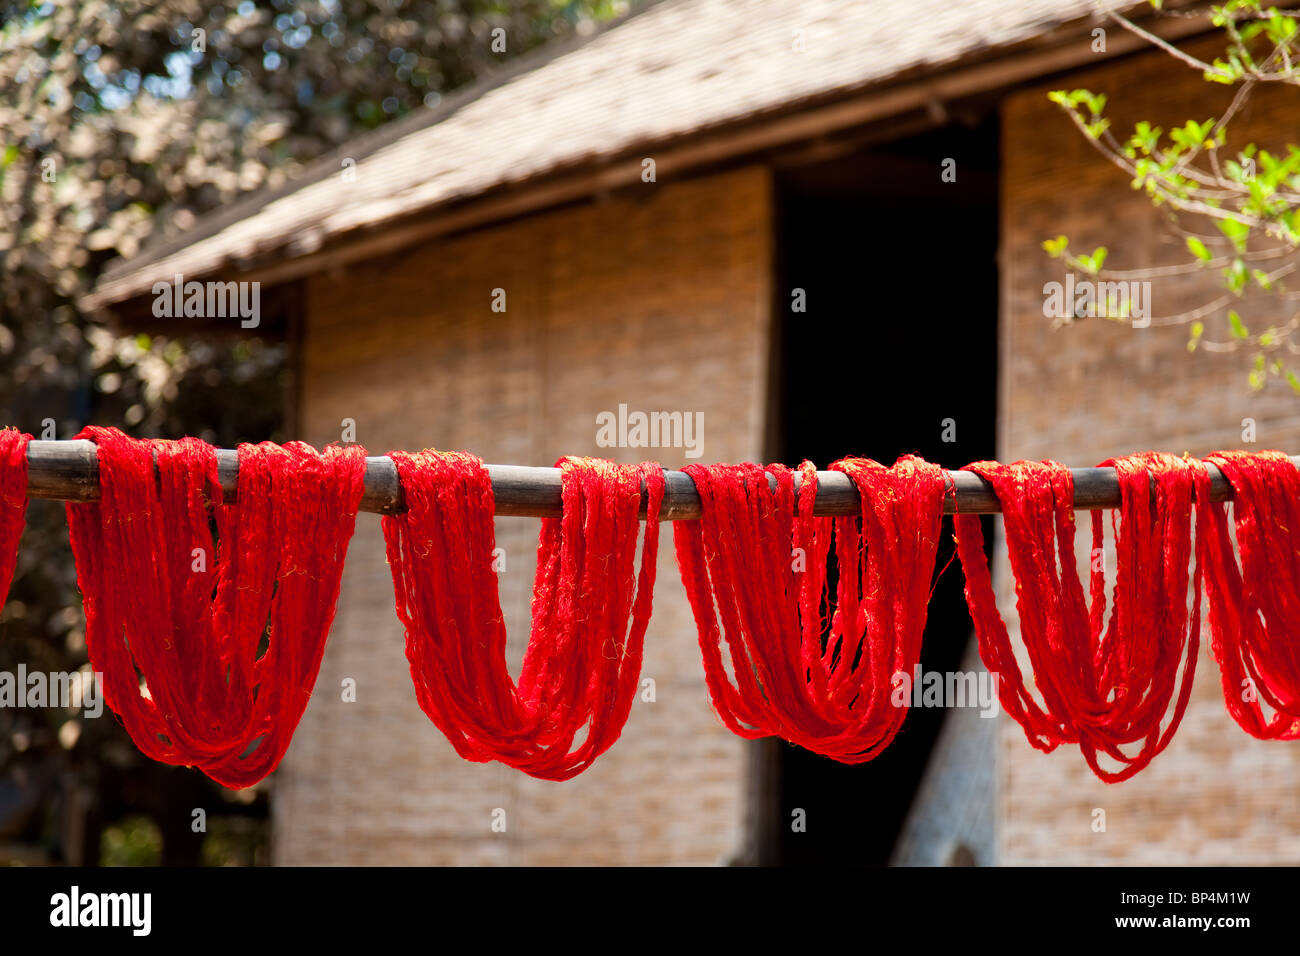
1237,210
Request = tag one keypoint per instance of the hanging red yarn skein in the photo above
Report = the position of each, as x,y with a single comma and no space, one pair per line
226,637
755,573
1254,609
583,660
13,501
1103,685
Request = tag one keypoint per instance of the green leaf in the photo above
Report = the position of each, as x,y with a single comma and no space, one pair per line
1070,100
1198,329
1055,247
1238,328
1198,249
1096,104
1235,276
1094,130
1294,381
1234,229
1258,377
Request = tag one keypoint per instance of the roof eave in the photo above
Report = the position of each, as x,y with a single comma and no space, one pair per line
676,155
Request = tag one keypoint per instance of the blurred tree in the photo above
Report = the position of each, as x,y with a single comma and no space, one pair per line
1236,211
123,121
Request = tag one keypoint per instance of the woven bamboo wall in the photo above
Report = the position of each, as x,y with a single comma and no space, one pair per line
659,301
1098,388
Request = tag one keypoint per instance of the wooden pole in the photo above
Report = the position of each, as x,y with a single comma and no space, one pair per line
68,471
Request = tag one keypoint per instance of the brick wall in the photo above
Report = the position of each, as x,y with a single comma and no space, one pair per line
1097,389
659,301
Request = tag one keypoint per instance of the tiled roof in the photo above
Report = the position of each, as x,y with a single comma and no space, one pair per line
675,68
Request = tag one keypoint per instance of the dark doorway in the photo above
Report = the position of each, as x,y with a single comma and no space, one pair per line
899,336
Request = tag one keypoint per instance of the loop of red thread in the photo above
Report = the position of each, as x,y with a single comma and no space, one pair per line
13,501
1102,684
209,649
1254,609
756,575
582,663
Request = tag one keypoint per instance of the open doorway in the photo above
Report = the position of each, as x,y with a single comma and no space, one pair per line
896,352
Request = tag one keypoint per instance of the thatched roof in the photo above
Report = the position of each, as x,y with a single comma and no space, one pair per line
676,72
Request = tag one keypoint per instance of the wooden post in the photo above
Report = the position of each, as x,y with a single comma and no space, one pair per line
68,471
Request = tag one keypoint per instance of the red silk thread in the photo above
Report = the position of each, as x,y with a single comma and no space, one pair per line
229,654
1254,607
583,660
1103,684
226,635
13,502
827,689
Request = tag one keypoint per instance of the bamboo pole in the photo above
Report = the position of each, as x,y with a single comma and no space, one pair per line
68,471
